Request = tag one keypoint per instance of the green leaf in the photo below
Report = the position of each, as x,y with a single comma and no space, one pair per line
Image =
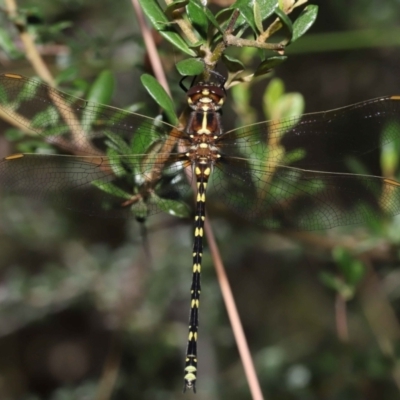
158,19
35,146
26,93
145,137
212,19
242,98
172,207
59,26
267,7
330,280
389,150
47,117
14,134
198,18
272,94
352,269
291,105
285,20
175,5
115,160
266,66
389,159
120,145
190,67
232,64
7,44
155,14
160,96
257,16
197,46
67,75
110,188
356,272
294,156
99,92
247,10
102,88
337,285
278,105
304,22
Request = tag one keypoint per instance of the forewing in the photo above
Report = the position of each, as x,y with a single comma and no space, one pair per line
298,172
69,122
122,163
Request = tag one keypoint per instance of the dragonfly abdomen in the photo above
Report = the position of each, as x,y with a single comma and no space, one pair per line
203,129
202,173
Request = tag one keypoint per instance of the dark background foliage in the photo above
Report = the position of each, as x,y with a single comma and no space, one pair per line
84,311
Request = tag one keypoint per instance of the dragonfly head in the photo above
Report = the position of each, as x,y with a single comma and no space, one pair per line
206,96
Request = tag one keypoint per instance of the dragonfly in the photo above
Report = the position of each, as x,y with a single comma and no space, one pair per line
298,173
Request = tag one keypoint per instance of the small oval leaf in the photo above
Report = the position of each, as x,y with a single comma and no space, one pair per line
99,92
174,208
232,64
285,20
266,66
102,88
160,96
198,18
190,67
159,20
304,22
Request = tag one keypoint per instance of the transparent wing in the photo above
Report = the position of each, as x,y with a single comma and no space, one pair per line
70,122
96,185
301,172
122,160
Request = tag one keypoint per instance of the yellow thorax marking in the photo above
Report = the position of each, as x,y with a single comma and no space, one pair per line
204,129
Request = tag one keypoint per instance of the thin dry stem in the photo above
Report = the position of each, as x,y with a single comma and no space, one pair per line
31,51
151,47
233,315
41,69
110,370
259,44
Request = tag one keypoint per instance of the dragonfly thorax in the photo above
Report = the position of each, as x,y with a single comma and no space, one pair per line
204,126
206,96
203,153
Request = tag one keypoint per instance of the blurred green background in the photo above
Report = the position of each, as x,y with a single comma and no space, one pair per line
85,313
